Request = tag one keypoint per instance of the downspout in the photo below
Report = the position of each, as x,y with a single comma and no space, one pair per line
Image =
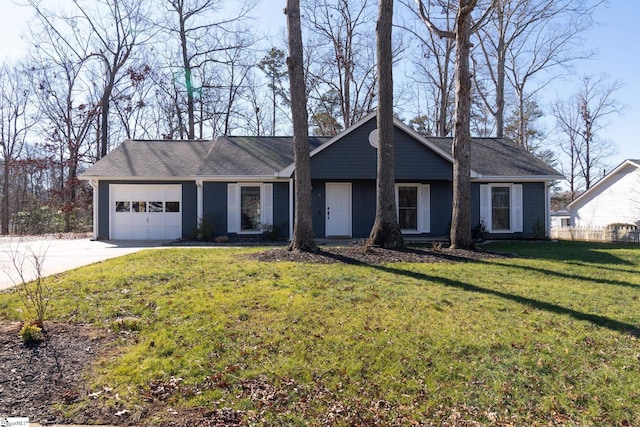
547,202
199,201
94,185
291,219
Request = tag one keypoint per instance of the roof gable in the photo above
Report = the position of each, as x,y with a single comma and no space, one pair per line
605,182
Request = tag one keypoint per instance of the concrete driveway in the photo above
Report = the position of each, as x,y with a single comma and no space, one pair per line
58,255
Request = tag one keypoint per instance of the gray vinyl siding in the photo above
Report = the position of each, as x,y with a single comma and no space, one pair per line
363,208
353,158
103,210
281,208
533,208
414,161
214,195
214,205
441,201
189,208
318,204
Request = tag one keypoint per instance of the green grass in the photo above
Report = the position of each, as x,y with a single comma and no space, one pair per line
550,337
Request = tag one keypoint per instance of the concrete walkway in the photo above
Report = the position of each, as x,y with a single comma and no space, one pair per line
58,255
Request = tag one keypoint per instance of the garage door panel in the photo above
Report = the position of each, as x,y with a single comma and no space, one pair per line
146,211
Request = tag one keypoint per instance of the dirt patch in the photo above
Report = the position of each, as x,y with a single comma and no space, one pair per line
358,255
36,376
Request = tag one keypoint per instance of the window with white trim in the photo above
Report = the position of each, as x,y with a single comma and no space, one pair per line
413,208
501,207
249,207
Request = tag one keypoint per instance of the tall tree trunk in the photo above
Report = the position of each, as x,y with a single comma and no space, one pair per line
500,77
186,63
302,239
461,216
104,118
386,230
5,197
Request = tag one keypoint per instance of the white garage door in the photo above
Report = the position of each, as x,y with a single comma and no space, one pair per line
145,212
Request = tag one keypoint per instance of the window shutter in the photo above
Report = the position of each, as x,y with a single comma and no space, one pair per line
516,208
424,209
233,209
485,205
267,204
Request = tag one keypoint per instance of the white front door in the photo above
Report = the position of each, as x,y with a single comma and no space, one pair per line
338,209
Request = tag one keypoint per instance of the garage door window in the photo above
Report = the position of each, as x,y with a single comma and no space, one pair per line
139,206
123,207
156,207
172,207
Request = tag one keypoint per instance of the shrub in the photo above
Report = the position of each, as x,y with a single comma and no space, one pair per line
539,229
30,333
205,231
480,232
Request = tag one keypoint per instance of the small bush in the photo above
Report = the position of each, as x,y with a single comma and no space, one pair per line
205,231
30,333
480,232
539,229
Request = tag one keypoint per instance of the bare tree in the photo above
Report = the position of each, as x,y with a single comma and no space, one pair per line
581,118
200,40
462,29
436,65
302,239
69,107
343,62
386,230
522,39
15,122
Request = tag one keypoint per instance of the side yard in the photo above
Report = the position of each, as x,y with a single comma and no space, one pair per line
227,337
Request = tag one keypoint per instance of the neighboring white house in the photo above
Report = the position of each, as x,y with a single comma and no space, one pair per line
560,219
615,199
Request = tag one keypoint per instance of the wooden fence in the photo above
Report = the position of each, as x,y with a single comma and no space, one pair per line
597,234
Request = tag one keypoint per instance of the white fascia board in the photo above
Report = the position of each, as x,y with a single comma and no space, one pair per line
535,178
136,178
198,179
242,178
602,182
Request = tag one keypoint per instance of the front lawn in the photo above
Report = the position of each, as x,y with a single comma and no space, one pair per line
546,338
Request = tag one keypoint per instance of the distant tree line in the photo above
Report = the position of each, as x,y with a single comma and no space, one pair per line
98,72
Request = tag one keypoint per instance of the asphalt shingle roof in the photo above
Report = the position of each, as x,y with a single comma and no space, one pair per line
265,155
500,157
226,155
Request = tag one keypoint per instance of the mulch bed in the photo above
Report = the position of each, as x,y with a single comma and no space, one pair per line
358,255
35,376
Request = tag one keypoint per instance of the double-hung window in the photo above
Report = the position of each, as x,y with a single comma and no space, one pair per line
501,207
413,208
249,207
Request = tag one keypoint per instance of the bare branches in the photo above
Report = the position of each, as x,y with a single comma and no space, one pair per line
28,278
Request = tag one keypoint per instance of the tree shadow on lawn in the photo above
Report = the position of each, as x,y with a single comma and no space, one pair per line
574,252
573,276
602,321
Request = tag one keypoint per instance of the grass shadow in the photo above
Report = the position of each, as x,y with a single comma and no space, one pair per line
602,321
565,251
572,276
